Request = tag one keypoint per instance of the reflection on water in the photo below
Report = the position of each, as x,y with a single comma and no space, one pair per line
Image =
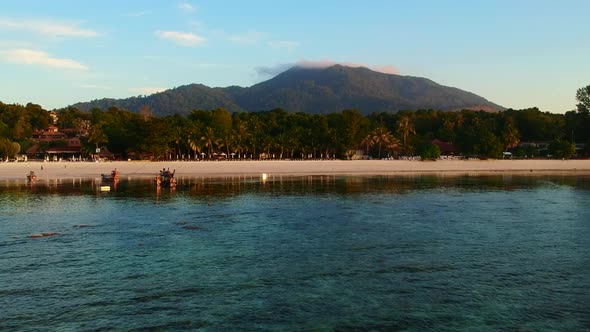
267,183
297,253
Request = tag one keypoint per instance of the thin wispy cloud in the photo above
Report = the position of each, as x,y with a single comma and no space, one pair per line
329,63
249,38
188,64
40,58
283,44
14,44
138,13
146,90
385,69
181,38
47,28
209,65
271,71
153,57
185,7
98,87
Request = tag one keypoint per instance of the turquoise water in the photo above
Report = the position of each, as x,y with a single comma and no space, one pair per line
304,253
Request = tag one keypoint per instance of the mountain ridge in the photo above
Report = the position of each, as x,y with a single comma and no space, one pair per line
310,90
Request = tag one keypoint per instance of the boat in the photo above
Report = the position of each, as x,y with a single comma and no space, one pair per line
113,177
166,179
31,176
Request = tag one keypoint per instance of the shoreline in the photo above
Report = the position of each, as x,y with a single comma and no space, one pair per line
148,169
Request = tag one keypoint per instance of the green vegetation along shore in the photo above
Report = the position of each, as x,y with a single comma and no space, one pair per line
277,134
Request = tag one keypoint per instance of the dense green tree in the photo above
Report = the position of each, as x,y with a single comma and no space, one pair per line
97,136
586,150
38,117
488,145
562,149
8,149
446,132
429,151
4,130
280,134
583,98
350,129
157,138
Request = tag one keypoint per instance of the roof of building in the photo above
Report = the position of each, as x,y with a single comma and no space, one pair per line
445,147
65,149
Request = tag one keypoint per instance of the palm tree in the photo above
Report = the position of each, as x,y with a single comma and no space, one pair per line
209,139
228,142
256,134
368,141
291,145
393,144
405,128
382,136
460,120
510,136
448,123
195,145
282,140
239,136
176,136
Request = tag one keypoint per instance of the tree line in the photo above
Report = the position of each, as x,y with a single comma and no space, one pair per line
208,134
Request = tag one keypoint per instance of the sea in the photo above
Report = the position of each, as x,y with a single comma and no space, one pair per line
301,253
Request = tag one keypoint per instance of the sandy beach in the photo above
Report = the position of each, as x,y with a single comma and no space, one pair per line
143,169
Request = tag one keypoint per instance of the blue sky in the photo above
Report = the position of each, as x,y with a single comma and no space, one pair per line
516,53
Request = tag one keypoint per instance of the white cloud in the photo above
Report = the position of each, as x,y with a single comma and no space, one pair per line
47,28
283,44
182,38
249,38
185,7
33,57
146,90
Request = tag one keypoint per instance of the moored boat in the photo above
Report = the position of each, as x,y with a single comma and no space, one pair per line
166,178
113,177
31,176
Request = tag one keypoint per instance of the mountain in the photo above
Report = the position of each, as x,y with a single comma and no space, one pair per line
310,90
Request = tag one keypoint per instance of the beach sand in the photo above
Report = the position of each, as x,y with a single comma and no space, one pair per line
144,169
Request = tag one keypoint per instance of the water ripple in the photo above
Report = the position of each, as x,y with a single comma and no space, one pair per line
382,254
